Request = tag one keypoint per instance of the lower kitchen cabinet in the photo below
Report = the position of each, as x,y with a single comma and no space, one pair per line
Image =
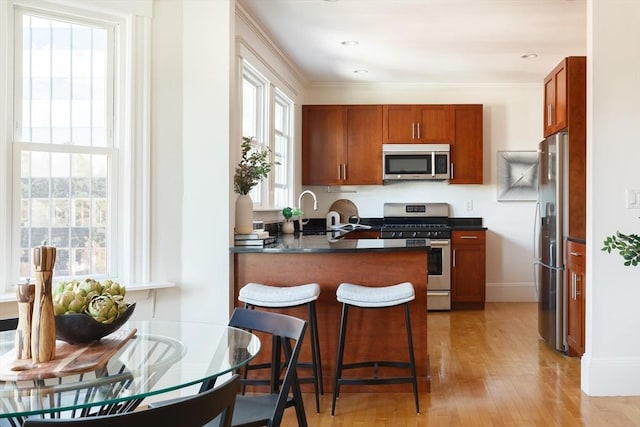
576,297
468,269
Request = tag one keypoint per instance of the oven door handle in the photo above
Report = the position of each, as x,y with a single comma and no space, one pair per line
440,242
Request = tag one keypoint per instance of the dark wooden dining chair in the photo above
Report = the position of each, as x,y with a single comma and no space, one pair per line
193,411
267,409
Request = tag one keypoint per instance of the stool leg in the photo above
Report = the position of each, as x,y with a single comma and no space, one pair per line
339,356
315,353
412,360
246,367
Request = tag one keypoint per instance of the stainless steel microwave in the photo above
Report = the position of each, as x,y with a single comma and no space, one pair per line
415,162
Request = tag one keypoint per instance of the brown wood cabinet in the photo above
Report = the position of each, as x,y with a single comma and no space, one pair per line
575,280
555,100
363,234
564,94
468,269
341,144
466,150
566,110
425,124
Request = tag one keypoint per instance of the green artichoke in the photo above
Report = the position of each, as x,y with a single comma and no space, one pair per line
104,301
103,308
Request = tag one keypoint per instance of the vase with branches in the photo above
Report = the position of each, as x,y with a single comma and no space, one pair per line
254,166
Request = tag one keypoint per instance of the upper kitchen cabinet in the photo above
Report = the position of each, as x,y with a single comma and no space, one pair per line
466,150
341,144
564,93
566,110
428,124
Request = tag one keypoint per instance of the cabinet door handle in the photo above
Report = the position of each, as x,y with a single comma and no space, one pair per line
549,118
451,171
453,256
573,285
578,291
578,254
413,131
473,237
418,124
344,171
340,172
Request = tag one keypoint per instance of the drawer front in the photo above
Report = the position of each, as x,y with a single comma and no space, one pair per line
461,237
438,300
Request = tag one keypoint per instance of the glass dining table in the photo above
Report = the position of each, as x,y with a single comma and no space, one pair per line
115,374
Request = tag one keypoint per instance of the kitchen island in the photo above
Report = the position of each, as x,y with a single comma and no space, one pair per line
330,260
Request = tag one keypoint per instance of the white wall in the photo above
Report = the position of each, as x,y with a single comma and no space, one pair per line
191,97
512,121
611,364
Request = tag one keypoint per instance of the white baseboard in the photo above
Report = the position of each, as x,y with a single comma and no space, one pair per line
610,377
511,292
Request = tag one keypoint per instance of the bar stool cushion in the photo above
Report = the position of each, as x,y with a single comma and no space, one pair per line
278,296
374,296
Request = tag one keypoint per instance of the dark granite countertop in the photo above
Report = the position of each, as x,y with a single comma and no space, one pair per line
332,243
315,238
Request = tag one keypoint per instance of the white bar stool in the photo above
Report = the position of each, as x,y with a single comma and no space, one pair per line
267,296
374,297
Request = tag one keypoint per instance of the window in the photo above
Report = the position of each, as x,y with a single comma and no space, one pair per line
267,116
79,114
63,140
282,148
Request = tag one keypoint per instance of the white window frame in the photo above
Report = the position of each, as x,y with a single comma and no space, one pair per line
131,125
266,133
288,163
260,194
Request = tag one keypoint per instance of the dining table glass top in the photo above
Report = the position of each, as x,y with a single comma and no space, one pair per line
141,359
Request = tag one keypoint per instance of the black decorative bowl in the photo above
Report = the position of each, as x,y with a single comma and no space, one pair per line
78,328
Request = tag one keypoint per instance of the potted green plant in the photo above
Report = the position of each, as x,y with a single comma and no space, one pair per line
627,245
253,167
289,213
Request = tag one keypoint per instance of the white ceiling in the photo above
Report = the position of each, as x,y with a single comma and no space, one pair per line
425,41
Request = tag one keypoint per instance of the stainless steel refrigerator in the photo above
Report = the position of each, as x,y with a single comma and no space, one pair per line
549,234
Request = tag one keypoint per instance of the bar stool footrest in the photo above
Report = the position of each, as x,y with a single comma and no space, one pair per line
375,381
376,363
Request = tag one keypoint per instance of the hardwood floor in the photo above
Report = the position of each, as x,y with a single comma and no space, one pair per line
488,368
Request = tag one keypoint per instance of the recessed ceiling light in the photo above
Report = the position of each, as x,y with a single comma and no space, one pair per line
529,56
361,71
350,42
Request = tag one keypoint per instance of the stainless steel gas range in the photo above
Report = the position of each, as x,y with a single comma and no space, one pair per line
421,224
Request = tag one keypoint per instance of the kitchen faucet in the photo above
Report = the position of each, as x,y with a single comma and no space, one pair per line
315,205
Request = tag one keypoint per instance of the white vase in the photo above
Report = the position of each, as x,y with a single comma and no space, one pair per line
287,227
244,214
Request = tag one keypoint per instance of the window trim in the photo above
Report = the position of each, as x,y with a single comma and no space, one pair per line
271,93
132,83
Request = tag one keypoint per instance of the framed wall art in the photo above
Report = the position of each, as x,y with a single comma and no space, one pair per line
517,176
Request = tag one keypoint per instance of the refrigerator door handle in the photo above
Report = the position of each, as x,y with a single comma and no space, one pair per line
549,266
536,254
